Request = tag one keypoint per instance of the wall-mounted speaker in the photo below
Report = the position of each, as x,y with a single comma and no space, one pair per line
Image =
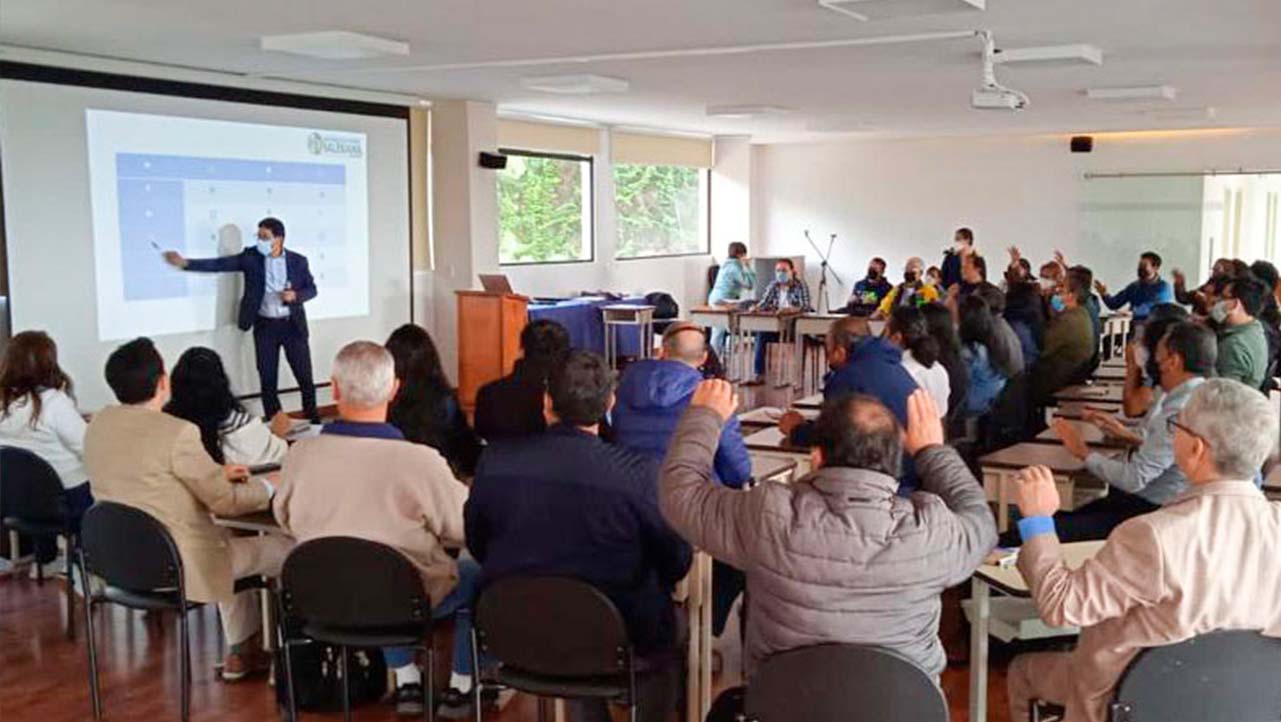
1082,144
496,161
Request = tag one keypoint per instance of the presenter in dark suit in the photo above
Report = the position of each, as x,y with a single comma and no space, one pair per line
277,284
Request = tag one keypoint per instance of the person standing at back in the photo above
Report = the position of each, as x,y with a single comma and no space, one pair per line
512,406
278,283
962,245
735,282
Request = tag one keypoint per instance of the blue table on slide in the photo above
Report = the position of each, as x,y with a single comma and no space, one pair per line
583,319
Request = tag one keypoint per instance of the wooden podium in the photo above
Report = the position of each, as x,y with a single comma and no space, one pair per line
489,327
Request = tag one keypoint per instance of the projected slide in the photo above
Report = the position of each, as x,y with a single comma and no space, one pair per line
200,187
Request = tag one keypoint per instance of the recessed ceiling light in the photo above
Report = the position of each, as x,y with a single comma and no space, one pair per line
865,10
744,111
580,84
1186,113
334,45
1077,54
1135,92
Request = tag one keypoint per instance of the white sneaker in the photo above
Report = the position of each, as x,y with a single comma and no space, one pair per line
52,570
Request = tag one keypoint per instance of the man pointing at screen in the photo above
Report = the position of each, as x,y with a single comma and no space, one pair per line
277,284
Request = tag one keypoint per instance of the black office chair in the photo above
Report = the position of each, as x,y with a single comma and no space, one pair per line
32,503
352,592
139,564
843,683
1230,675
554,637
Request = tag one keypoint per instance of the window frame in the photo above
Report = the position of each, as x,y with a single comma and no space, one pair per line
589,184
707,241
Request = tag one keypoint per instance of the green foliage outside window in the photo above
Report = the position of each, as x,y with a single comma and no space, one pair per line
659,210
540,210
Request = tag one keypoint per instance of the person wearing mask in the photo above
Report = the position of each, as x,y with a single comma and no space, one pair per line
139,456
735,282
973,278
787,293
1069,341
512,406
1270,317
908,331
869,292
1243,346
201,393
361,478
987,375
38,413
1007,349
1049,278
1140,384
426,408
837,556
913,290
1205,561
942,328
1142,294
1092,307
962,245
934,276
569,504
1146,477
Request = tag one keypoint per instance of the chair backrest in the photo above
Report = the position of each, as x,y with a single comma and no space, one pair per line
843,683
29,487
552,625
353,583
129,548
1229,675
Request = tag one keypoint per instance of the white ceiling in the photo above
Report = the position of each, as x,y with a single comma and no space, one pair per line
1220,53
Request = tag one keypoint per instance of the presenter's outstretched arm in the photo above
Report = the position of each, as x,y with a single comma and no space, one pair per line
208,265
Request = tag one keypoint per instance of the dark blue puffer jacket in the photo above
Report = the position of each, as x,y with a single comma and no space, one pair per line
650,399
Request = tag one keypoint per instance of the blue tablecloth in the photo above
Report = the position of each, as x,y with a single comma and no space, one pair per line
583,319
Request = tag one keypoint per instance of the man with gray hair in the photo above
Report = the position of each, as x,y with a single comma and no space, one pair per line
361,478
1203,562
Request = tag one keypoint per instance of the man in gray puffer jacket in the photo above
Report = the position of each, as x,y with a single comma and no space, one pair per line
836,556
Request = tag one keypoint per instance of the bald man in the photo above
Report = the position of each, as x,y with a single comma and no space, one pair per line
914,289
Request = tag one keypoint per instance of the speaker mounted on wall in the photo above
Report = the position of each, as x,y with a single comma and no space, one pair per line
496,161
1082,144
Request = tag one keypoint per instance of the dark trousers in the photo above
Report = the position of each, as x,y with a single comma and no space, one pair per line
727,584
78,500
270,336
763,340
657,690
1094,521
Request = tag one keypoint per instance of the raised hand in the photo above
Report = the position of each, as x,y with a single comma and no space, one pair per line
1035,492
1102,289
717,395
924,427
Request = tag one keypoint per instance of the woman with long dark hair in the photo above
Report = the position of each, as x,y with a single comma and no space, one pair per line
38,413
426,408
907,330
200,392
941,327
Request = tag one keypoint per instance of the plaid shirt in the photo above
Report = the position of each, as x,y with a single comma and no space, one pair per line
798,296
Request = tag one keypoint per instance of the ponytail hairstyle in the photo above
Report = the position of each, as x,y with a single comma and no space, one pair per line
909,323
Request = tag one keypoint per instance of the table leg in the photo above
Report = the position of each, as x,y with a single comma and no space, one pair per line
268,616
705,640
981,604
1002,503
693,618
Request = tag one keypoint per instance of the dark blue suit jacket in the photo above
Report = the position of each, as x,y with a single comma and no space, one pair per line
254,265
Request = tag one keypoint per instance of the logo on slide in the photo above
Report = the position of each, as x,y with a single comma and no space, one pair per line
329,145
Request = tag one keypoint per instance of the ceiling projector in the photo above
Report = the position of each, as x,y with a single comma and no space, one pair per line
991,95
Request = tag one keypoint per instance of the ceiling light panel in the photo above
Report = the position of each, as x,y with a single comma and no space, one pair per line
1077,54
1135,92
579,84
334,45
866,10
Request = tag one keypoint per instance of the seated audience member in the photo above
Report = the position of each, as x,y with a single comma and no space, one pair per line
1266,272
1006,347
1025,314
869,292
1142,294
837,556
1069,342
907,330
942,328
953,258
1140,359
38,413
139,456
569,504
973,277
1206,561
1270,317
361,478
652,395
1243,345
787,293
1019,269
1049,278
426,408
513,405
1145,477
934,276
201,393
987,373
915,290
1092,306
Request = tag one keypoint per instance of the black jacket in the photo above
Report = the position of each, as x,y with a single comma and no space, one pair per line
567,503
254,265
512,406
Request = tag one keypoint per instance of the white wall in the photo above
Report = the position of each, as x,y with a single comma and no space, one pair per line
901,198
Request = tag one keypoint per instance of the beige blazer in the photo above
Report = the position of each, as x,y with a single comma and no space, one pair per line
1206,561
155,462
393,492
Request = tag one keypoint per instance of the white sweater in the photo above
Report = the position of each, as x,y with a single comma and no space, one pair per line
58,436
933,379
247,440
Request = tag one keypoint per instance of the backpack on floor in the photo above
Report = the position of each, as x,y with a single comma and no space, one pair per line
729,706
317,678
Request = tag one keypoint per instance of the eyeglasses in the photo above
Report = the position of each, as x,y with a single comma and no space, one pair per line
1173,423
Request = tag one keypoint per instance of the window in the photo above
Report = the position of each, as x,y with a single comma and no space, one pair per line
544,208
662,210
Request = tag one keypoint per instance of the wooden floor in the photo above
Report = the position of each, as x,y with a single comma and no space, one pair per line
43,676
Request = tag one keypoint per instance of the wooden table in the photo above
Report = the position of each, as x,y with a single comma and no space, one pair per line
813,401
1001,467
767,416
751,323
261,523
814,325
1091,394
1076,409
1109,374
1092,435
726,319
1114,329
1014,617
619,315
770,443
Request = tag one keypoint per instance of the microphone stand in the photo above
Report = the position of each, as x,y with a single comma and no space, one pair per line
825,304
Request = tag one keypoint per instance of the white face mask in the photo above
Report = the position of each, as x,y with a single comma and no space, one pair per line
1219,312
1047,284
1141,357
